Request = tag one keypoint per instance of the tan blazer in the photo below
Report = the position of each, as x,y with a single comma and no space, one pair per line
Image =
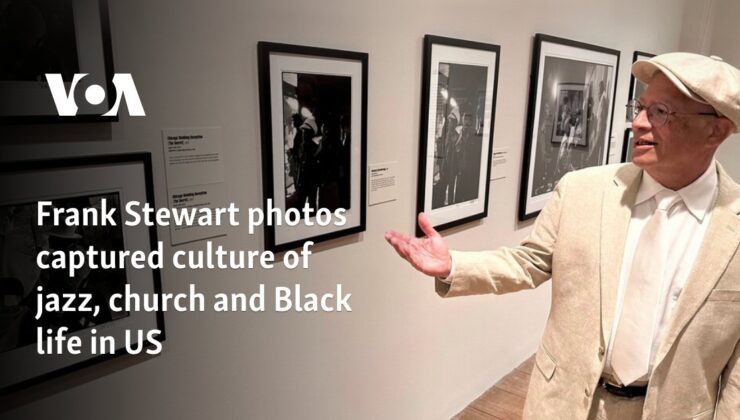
578,240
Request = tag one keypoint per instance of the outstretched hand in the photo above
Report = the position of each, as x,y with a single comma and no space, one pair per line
429,254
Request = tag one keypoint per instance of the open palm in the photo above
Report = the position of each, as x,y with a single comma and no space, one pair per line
429,254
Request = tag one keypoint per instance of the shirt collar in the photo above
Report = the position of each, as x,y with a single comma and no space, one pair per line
697,196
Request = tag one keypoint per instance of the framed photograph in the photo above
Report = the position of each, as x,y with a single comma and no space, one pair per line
458,103
569,117
636,86
80,183
313,108
54,36
570,126
627,146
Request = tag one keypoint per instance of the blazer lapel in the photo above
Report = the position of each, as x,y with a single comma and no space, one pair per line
718,247
616,210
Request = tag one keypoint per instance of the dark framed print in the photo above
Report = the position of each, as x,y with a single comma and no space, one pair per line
63,37
627,146
82,183
459,85
313,107
636,86
569,117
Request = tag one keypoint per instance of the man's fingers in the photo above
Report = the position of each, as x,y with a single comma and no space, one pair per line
426,226
398,244
402,237
408,248
402,248
390,234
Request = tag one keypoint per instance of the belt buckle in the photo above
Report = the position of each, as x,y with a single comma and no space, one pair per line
624,391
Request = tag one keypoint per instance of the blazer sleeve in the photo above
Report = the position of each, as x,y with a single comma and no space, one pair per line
728,406
509,269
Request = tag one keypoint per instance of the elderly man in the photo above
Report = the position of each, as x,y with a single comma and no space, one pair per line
645,315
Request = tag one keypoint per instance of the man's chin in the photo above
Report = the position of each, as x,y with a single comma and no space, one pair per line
643,160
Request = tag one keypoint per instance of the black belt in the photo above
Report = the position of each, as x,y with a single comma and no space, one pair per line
624,391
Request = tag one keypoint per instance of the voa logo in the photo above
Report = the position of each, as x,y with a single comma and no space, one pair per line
94,94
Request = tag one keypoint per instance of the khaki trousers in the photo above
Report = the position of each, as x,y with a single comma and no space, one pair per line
607,406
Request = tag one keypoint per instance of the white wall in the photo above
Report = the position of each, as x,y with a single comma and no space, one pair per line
402,352
698,21
723,42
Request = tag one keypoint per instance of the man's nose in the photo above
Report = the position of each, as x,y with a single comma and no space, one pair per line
641,121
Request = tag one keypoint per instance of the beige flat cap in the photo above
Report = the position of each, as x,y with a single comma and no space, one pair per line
708,80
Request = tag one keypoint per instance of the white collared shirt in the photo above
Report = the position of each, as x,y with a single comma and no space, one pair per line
687,224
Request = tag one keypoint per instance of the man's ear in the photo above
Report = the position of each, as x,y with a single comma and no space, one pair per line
721,129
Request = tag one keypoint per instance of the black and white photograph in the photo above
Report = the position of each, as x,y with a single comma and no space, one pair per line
313,111
636,86
21,239
570,124
37,37
66,37
458,105
571,103
318,140
457,143
580,115
628,146
76,183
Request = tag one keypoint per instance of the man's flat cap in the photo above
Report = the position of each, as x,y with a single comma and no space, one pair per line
708,80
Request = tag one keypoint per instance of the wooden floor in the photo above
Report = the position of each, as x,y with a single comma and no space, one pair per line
503,401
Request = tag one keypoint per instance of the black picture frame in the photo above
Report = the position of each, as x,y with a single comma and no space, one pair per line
458,110
636,86
87,51
313,87
558,60
128,177
627,146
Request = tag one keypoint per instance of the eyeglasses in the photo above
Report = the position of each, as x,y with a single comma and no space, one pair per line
657,113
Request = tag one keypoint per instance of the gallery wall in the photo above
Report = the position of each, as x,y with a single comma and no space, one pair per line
722,37
403,352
